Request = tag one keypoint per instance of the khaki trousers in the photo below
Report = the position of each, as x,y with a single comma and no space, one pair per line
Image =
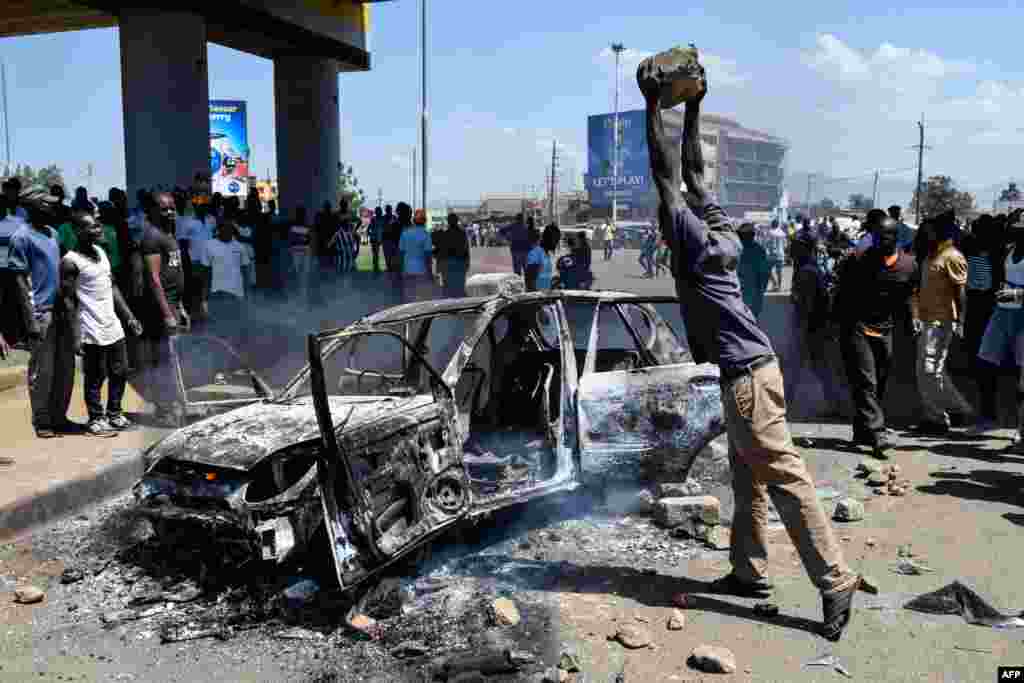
765,463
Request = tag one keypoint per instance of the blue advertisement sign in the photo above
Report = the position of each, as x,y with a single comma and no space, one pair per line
229,147
633,173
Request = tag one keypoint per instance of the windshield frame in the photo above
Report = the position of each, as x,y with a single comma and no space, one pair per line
335,341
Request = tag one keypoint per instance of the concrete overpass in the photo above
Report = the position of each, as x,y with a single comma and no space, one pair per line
166,91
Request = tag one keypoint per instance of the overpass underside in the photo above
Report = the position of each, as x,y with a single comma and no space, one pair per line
165,83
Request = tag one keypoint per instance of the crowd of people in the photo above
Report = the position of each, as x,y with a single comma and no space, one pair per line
113,284
948,280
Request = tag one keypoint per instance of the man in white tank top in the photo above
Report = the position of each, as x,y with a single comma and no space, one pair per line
91,297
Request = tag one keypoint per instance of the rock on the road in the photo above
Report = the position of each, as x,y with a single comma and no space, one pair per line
848,510
686,510
28,595
680,489
714,660
676,621
632,636
504,612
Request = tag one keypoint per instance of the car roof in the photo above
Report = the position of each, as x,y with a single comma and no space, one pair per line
442,306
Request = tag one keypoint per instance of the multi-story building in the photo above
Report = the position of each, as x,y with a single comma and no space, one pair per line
744,167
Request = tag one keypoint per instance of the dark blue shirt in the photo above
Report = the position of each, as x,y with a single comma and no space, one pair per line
518,236
719,325
37,255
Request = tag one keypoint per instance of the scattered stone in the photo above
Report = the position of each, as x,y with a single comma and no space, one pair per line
684,511
870,542
714,660
909,567
642,619
868,585
676,621
881,492
504,612
70,575
892,475
567,661
409,648
895,469
554,675
898,491
878,479
869,467
28,595
632,636
685,489
361,622
520,658
717,538
848,510
905,551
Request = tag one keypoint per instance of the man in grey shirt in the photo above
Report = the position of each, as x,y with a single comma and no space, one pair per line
705,252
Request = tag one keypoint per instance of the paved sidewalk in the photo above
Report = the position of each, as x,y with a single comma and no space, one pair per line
48,478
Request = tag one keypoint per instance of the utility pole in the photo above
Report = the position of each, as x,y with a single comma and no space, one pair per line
920,171
618,49
7,125
553,209
380,197
423,108
810,209
874,192
414,177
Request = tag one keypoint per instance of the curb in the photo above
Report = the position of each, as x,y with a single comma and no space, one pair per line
13,376
63,498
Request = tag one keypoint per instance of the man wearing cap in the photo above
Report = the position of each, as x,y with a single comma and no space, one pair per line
12,191
415,251
765,463
34,259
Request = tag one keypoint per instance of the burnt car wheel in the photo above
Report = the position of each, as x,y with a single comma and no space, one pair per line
449,495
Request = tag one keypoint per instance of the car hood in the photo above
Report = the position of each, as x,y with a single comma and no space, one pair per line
241,438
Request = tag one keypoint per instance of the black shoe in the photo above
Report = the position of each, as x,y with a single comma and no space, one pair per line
931,429
731,584
861,439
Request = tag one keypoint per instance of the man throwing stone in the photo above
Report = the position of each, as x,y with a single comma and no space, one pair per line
705,251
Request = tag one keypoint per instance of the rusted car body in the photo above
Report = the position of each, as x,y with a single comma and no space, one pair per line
425,414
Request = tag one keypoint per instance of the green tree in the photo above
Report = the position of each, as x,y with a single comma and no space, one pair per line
1010,194
46,177
826,204
939,194
348,188
860,202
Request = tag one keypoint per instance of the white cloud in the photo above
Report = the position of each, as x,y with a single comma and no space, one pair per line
722,71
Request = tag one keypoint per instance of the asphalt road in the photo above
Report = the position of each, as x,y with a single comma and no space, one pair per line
578,573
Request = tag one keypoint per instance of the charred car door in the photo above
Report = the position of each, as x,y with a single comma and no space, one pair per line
391,473
641,400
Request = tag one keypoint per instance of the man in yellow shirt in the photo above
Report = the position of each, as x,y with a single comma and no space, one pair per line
939,308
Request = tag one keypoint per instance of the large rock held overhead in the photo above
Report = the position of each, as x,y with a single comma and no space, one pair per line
676,73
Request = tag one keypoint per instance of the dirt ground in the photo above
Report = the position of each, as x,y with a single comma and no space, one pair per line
577,570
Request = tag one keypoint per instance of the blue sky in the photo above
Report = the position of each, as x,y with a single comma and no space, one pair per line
844,82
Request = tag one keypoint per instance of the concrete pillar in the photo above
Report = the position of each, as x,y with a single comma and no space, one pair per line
166,98
308,132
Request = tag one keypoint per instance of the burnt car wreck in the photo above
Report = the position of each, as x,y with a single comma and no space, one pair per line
424,415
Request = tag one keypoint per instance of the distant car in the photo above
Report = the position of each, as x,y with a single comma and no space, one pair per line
422,415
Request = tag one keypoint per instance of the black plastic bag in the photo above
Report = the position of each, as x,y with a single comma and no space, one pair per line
956,598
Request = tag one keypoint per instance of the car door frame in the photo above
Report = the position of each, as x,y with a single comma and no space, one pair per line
335,467
566,477
657,386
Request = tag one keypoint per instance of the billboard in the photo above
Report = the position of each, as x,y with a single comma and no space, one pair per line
229,148
634,182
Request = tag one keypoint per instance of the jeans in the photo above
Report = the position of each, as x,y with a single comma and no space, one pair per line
939,396
51,372
157,380
100,363
519,262
766,465
455,277
979,310
375,248
868,360
608,248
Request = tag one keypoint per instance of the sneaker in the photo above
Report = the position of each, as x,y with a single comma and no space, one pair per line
45,433
982,428
120,422
100,427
